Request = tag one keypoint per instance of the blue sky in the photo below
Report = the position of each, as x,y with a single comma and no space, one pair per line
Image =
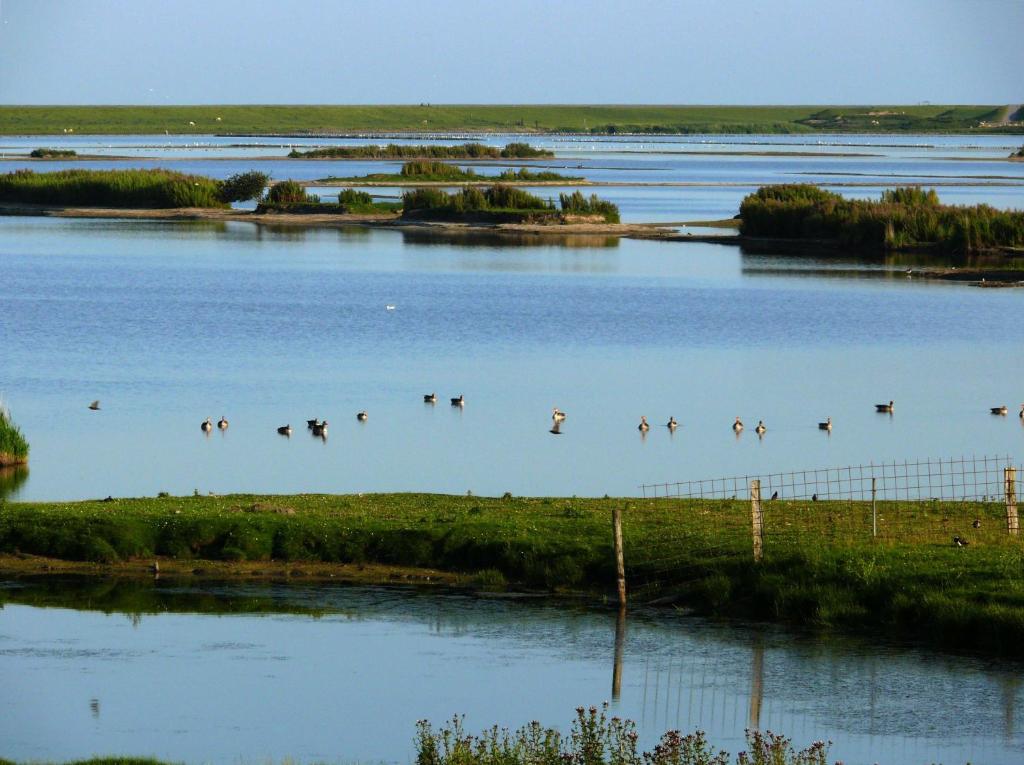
403,51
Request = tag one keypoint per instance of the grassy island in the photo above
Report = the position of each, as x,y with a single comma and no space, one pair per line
504,204
127,188
904,219
398,151
53,153
291,197
432,171
822,568
13,446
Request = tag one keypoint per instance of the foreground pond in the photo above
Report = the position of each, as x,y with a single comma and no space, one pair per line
255,673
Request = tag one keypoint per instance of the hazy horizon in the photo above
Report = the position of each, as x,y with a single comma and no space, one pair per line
190,52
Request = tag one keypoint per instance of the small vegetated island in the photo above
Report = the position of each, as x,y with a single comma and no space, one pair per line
397,151
53,153
904,219
503,204
432,171
165,189
13,446
1019,154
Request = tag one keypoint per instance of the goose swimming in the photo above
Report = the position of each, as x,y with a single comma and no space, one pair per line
362,416
95,405
671,424
760,429
460,401
207,425
738,425
222,423
429,398
557,414
999,410
643,427
886,408
285,430
826,425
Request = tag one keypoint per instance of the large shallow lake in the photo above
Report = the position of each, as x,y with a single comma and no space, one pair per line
334,674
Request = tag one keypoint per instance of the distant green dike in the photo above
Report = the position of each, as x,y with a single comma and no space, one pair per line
586,119
821,569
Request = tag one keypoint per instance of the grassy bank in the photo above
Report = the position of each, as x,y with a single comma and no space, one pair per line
13,446
251,119
821,569
127,188
516,150
904,218
291,197
503,204
430,171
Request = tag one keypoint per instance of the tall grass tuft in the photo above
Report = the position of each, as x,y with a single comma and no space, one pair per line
111,188
422,168
904,218
577,204
13,446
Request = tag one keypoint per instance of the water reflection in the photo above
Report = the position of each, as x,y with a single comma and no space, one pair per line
11,479
450,237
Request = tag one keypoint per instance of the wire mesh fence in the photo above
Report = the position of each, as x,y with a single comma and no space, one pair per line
698,526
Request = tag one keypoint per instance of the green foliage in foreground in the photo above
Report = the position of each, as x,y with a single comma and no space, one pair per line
13,446
52,153
822,568
903,218
111,188
503,202
429,151
593,119
596,739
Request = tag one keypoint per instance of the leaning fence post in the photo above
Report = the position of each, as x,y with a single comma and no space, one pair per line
620,563
874,508
1010,480
757,519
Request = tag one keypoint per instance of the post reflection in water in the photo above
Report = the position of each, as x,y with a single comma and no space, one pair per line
620,646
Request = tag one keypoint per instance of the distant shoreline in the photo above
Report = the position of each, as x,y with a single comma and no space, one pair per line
539,119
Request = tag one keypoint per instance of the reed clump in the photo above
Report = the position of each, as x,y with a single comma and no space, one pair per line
904,218
13,446
577,204
111,188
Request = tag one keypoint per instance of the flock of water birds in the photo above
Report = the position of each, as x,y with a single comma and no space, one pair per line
319,427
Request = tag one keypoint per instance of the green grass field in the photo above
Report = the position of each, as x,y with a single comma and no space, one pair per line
256,119
821,569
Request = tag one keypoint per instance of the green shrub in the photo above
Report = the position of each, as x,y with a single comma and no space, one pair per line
243,186
430,168
521,150
288,193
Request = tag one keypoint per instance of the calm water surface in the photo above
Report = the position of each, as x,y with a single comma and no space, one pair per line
349,683
167,323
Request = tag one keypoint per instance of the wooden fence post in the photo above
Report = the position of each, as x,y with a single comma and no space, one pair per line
620,563
874,508
757,519
1010,481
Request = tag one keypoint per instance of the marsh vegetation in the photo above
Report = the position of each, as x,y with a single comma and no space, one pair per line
904,218
516,150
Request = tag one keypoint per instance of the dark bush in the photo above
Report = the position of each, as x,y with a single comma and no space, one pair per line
243,186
